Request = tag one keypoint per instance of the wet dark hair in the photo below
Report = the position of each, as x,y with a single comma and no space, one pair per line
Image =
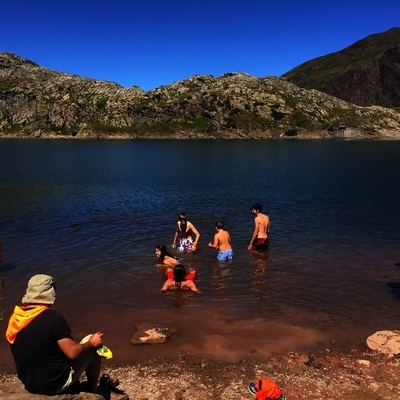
181,216
183,222
164,252
257,207
179,274
219,225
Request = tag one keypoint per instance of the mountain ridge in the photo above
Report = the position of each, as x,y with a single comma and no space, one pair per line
36,102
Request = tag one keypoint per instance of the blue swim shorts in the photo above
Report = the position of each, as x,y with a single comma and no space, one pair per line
225,255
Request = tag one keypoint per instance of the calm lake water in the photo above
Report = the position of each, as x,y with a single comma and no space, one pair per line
90,213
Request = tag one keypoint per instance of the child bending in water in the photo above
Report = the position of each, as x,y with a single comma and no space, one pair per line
166,259
177,278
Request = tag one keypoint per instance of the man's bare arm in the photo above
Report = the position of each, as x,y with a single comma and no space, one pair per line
72,350
255,233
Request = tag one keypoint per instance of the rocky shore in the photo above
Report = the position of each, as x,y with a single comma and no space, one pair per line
355,373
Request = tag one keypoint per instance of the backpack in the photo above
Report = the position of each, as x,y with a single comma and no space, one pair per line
266,389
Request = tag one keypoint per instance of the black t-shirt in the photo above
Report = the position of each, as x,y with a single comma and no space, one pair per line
41,365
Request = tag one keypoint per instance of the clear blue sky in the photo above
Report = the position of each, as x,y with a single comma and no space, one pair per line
150,43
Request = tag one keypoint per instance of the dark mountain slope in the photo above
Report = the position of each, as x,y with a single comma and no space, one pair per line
366,73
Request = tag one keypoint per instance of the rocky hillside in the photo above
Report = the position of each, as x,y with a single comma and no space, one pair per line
40,103
366,73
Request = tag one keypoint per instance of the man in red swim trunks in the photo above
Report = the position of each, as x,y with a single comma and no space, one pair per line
259,240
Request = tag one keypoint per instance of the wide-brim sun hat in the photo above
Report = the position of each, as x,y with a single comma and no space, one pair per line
41,290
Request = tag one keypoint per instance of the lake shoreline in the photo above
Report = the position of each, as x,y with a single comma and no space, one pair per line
355,372
350,134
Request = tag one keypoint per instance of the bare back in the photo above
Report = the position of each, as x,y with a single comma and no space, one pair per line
262,225
222,240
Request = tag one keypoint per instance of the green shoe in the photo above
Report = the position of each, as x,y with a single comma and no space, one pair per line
105,352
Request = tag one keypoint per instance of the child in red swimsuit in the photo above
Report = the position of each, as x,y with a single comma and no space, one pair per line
177,278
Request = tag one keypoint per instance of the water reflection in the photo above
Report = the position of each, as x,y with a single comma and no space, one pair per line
222,275
180,298
394,288
259,263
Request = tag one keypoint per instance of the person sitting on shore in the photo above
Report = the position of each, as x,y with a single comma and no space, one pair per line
166,259
177,278
222,242
48,359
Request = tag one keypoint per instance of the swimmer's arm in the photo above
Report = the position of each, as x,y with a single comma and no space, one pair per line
189,285
255,233
192,287
175,238
166,285
195,231
215,244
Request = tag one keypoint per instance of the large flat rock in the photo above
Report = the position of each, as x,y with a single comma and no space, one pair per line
13,389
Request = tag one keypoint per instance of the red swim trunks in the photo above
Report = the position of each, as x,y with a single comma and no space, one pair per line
260,244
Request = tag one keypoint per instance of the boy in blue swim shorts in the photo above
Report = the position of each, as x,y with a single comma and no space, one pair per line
222,242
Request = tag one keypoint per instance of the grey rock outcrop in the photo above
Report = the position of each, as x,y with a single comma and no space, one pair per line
385,342
36,102
148,334
13,389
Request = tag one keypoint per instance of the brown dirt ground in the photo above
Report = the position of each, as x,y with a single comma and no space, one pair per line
354,373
